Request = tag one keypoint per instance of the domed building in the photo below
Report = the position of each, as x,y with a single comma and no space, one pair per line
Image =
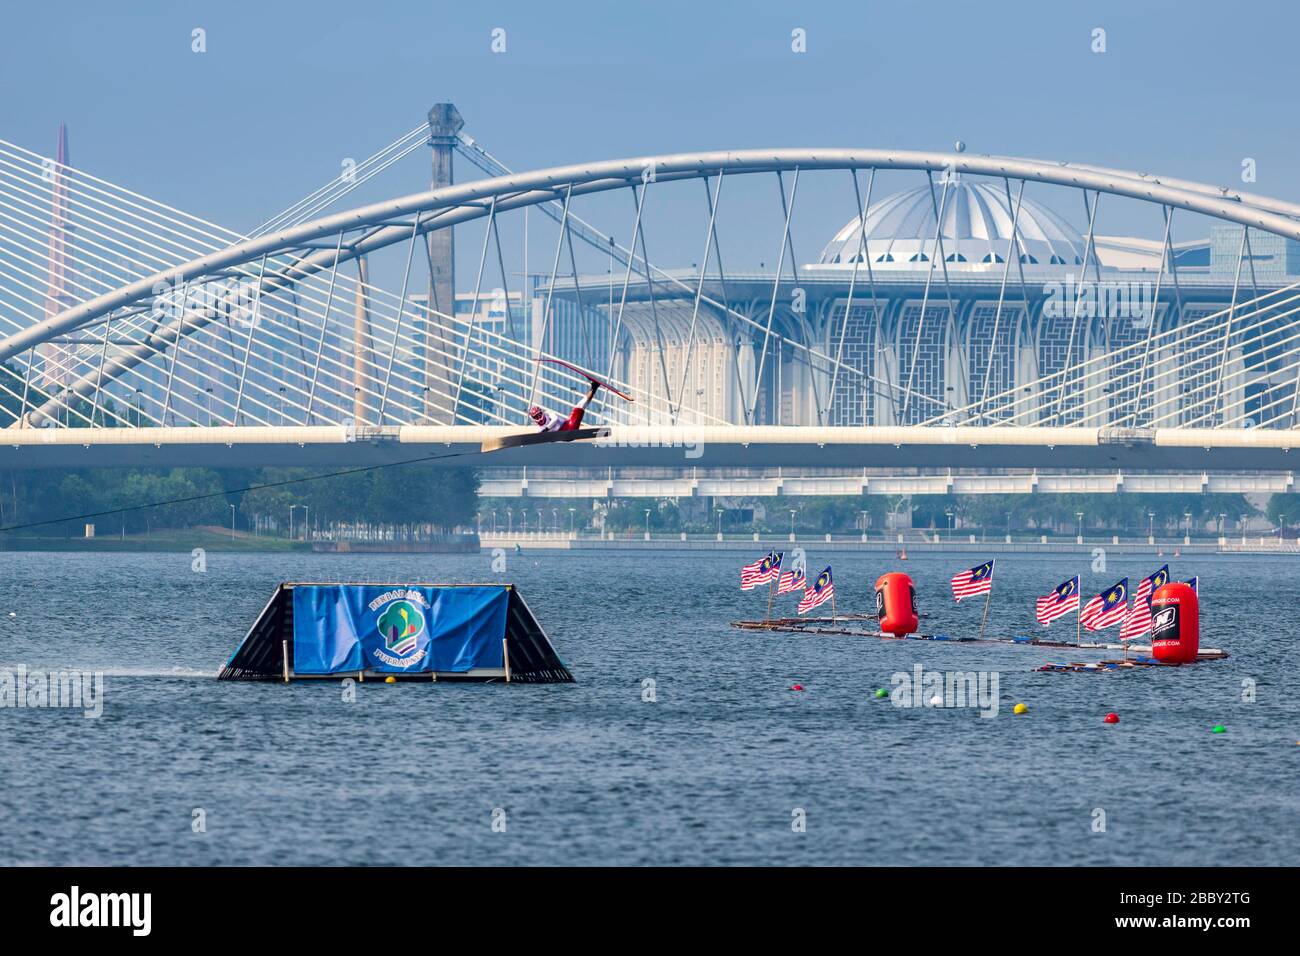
974,340
977,227
920,321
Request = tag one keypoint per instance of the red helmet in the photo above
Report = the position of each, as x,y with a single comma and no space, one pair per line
537,415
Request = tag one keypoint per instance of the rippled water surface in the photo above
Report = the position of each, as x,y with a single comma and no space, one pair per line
709,773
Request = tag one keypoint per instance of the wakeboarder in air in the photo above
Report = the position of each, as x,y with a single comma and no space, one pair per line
553,428
548,422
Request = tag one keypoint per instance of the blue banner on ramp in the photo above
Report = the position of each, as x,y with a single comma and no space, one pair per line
338,628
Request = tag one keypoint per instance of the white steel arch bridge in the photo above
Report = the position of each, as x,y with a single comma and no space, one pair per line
134,333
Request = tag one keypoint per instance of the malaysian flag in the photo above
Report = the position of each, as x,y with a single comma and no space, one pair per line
1063,599
1137,622
791,581
821,591
761,571
978,580
1108,608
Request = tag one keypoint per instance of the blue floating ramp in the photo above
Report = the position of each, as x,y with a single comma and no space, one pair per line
430,632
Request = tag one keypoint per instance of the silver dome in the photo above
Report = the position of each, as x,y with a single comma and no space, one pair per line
976,229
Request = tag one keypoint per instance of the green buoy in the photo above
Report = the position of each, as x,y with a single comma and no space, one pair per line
882,692
1219,729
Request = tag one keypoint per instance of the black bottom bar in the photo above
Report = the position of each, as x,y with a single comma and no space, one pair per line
918,907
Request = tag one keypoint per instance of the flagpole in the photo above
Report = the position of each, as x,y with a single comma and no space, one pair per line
1128,606
832,607
988,597
1078,611
771,592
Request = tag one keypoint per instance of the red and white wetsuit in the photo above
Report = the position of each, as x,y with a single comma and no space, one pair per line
550,422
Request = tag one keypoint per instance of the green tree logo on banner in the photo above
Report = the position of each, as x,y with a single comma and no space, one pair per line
400,624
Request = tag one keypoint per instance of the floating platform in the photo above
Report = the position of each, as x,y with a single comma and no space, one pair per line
407,632
849,625
1097,667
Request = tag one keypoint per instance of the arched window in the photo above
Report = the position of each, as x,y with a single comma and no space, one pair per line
919,257
1027,259
885,257
992,257
1056,260
955,257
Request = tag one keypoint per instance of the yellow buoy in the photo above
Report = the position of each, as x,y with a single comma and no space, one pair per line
390,680
1020,709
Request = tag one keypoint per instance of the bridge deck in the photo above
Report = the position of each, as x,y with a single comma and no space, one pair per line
627,446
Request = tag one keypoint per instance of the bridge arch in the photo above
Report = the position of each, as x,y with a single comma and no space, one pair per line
378,225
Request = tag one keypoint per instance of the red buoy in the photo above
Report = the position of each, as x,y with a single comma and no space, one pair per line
1175,623
797,687
896,604
1111,718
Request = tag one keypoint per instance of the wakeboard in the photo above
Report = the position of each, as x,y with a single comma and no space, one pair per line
589,377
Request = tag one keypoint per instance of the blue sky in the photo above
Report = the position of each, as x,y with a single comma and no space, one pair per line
286,89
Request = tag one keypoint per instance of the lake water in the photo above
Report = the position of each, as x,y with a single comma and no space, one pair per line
713,771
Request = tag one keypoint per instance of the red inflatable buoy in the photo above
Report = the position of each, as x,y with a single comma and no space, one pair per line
896,604
1175,623
1111,718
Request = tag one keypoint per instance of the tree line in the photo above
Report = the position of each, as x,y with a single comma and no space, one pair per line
444,498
